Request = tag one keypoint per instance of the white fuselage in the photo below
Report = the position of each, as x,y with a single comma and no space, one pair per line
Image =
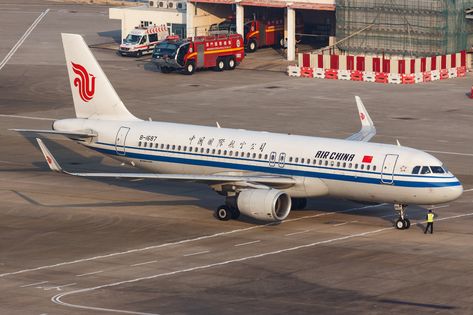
322,166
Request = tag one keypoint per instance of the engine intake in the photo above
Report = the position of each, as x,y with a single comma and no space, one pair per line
264,204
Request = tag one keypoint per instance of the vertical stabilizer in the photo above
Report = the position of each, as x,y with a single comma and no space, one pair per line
93,94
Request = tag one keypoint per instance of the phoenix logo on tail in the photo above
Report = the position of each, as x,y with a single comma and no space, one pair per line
85,82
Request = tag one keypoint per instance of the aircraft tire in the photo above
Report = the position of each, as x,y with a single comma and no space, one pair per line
189,68
407,223
223,213
220,64
399,224
231,63
235,213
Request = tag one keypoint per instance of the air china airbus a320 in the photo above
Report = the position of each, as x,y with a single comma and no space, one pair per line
262,175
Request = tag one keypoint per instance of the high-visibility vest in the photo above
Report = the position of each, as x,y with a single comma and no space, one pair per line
430,217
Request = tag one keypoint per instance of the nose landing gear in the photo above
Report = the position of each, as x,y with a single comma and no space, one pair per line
402,222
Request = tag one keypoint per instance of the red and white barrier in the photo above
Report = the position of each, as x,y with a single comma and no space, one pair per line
379,69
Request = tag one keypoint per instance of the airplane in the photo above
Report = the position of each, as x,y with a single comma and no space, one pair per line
261,175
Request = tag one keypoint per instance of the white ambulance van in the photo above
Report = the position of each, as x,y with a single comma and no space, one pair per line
142,40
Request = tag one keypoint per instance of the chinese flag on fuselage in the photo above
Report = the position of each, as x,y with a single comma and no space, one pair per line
367,159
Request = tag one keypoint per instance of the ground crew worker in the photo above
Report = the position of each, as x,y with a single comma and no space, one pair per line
430,222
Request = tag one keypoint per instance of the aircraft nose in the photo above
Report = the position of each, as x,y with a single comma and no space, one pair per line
454,192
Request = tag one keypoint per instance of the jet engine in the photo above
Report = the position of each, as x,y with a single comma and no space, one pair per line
264,204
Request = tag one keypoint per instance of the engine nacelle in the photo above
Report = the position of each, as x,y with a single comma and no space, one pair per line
264,204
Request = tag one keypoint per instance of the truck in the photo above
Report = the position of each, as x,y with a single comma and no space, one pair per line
142,40
221,52
257,33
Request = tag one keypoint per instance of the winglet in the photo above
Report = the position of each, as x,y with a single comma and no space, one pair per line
368,129
52,163
364,116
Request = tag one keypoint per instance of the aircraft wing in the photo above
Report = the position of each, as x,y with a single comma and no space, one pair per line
241,180
71,134
368,129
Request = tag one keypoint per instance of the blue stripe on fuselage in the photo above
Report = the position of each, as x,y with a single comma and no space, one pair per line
272,170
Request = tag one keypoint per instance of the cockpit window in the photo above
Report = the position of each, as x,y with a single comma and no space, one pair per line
437,170
416,170
445,169
425,170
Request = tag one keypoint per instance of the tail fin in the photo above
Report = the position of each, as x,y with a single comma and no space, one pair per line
94,96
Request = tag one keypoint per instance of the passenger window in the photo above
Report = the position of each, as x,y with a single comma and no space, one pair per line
290,159
344,164
265,156
196,149
185,148
356,166
179,148
374,167
338,164
219,152
254,155
248,155
236,153
224,152
350,165
259,156
190,149
156,146
145,144
208,150
213,151
362,166
425,170
201,150
326,163
230,153
139,144
368,167
296,160
302,160
162,145
173,147
332,163
437,169
320,162
416,170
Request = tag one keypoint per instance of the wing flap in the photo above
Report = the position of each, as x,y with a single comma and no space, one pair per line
71,134
207,179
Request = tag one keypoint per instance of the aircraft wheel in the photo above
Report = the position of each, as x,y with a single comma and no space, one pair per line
220,64
223,213
252,46
400,224
407,223
235,213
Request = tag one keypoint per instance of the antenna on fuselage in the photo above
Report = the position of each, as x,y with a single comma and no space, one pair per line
398,143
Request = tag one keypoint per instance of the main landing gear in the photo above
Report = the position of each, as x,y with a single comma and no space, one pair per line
402,222
228,211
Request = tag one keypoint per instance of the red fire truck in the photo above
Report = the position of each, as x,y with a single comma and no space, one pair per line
258,33
219,52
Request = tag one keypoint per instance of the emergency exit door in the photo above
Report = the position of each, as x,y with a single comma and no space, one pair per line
387,172
120,140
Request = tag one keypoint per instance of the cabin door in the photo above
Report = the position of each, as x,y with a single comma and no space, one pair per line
272,159
121,139
387,172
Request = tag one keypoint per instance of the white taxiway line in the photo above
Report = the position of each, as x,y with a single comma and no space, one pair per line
59,287
26,117
344,223
467,190
89,273
299,232
198,253
58,298
22,39
144,263
199,238
438,207
247,243
33,284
